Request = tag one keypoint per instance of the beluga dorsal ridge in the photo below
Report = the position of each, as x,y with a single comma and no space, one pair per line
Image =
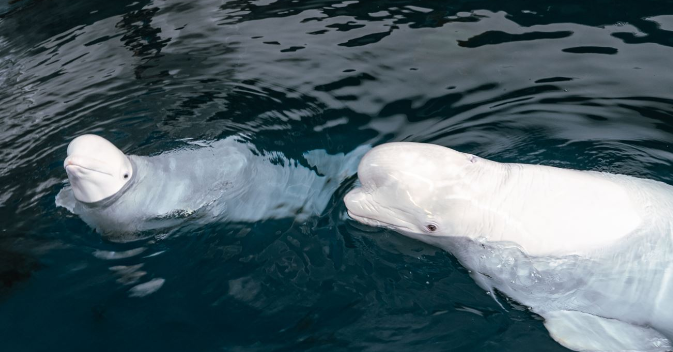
591,252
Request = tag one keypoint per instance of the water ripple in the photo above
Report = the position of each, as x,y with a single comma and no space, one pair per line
574,84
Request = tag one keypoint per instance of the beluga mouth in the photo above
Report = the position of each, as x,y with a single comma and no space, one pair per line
72,167
369,221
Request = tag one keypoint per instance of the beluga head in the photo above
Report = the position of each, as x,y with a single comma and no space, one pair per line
423,191
96,168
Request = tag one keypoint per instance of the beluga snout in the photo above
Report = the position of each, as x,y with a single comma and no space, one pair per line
96,168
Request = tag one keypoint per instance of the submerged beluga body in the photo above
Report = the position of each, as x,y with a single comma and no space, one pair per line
227,180
590,252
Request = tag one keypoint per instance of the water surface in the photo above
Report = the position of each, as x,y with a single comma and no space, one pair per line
576,84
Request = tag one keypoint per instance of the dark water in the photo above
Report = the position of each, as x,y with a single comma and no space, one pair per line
579,84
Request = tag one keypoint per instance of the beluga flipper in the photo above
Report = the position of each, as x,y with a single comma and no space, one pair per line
585,332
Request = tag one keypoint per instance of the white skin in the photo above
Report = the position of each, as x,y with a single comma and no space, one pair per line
600,243
226,180
429,190
96,168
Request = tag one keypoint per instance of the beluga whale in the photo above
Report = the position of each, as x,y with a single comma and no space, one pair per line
228,180
590,252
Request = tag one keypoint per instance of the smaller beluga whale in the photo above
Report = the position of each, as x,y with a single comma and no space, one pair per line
228,180
590,252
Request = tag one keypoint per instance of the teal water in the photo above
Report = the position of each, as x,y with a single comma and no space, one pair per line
575,84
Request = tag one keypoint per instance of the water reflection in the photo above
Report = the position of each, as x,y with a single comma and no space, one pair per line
573,84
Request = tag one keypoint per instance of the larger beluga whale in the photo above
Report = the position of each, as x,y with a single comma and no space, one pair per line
227,180
590,252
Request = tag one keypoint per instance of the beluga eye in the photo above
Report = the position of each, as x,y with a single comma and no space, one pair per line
431,227
126,175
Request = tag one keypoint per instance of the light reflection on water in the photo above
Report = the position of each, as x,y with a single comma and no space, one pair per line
570,84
